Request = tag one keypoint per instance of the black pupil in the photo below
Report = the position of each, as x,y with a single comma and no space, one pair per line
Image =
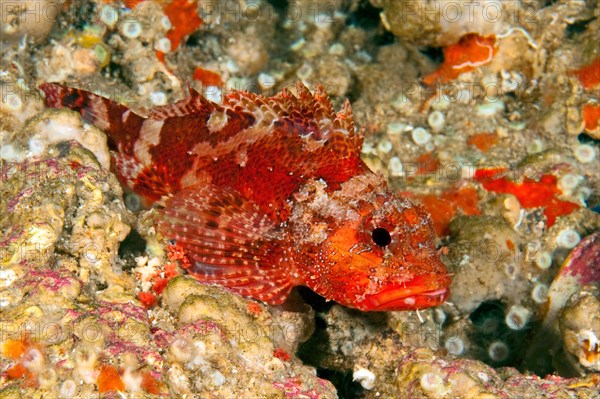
381,237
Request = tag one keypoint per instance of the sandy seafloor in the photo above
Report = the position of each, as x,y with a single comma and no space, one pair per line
444,89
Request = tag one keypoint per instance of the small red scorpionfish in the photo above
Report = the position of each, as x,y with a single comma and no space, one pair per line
268,193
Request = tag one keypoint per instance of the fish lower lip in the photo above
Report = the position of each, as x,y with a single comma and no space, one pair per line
416,301
441,291
412,296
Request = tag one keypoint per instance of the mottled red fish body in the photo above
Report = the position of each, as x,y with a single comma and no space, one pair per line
268,193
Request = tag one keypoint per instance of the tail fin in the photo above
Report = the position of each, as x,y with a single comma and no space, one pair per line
123,128
121,125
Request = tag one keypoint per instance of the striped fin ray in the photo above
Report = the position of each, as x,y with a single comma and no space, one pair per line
229,242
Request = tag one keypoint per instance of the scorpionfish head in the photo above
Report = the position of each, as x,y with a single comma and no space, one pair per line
384,258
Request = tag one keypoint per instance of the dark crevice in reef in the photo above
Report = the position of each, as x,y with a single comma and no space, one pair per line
495,342
314,350
314,300
368,18
317,351
313,353
131,247
585,138
346,388
196,39
435,54
577,28
384,38
280,6
365,16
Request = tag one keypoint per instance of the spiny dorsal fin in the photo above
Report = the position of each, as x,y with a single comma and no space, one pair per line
229,242
313,111
194,103
161,154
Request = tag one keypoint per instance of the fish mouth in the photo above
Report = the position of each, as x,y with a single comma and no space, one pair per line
421,292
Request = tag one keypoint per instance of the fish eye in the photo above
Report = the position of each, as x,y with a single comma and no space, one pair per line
381,237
